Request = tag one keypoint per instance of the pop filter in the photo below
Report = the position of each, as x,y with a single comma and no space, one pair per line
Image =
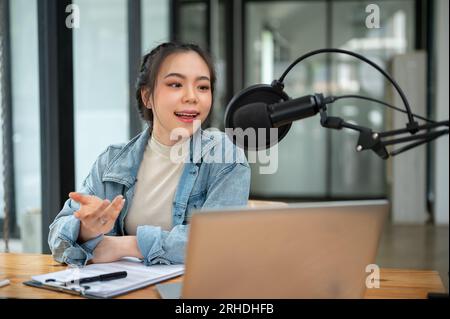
253,116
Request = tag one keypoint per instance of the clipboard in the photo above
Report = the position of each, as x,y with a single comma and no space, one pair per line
54,287
138,276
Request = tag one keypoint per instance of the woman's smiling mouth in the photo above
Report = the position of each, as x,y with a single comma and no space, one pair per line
187,116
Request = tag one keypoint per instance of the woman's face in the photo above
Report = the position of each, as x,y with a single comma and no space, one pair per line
182,95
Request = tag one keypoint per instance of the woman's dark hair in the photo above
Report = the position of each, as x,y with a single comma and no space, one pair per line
151,63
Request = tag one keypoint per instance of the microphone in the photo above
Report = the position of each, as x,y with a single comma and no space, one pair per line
261,108
264,115
296,109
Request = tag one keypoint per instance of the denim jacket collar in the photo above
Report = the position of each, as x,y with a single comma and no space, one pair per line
124,167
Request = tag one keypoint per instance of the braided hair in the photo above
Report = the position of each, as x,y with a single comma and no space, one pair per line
150,65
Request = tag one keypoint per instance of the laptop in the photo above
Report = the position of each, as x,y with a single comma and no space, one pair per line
309,250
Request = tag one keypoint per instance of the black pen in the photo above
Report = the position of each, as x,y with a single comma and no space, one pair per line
104,277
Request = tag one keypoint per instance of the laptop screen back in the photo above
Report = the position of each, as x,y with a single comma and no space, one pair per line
299,251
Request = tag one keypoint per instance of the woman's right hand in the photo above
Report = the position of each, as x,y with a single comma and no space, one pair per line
97,216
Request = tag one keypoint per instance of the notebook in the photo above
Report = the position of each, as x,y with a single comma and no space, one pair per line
138,276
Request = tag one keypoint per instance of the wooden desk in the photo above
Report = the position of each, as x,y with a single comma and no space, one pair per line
394,283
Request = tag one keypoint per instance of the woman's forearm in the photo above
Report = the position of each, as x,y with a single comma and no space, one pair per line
129,247
84,235
113,248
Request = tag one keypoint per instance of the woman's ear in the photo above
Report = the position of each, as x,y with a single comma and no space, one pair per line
145,96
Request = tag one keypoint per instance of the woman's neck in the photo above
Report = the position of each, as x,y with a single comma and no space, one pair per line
164,139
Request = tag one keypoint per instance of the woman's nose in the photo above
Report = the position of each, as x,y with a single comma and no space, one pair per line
190,96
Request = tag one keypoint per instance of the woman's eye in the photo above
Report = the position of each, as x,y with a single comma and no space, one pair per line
174,85
204,87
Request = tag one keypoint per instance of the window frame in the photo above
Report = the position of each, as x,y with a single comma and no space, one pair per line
8,162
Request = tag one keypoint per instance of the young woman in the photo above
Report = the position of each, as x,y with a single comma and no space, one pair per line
137,200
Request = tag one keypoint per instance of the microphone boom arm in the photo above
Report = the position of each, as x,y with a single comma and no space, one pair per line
376,142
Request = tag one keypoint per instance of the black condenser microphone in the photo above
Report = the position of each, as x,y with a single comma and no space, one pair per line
263,107
296,109
263,115
252,104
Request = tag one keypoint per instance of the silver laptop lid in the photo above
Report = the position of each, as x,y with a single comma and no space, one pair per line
309,250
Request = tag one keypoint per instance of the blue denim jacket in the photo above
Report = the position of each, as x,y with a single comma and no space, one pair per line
205,183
